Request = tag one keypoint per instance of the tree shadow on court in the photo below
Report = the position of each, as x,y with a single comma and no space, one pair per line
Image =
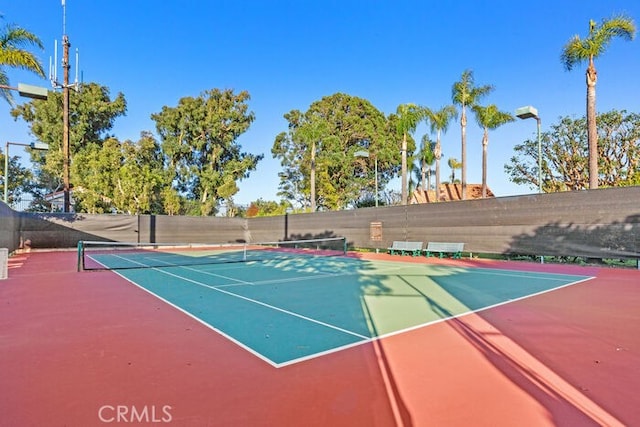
487,340
372,284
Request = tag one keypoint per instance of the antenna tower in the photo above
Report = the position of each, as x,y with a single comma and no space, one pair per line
65,86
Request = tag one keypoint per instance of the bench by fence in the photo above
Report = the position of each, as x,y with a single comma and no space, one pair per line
400,247
442,248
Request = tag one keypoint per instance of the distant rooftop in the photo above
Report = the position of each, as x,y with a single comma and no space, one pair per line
448,193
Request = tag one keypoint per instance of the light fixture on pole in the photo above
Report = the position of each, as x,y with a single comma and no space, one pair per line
530,112
27,91
365,154
33,146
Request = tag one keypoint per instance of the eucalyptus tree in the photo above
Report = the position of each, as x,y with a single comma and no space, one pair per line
439,123
13,39
22,179
409,116
327,136
489,118
125,177
465,93
94,114
312,131
289,148
577,51
199,139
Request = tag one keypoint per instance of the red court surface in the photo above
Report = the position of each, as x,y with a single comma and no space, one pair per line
85,349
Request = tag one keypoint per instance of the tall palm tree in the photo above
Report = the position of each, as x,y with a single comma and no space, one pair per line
427,158
12,54
439,122
577,51
464,93
489,117
409,115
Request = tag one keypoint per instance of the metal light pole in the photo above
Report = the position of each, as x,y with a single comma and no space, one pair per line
27,91
529,112
365,154
375,162
33,145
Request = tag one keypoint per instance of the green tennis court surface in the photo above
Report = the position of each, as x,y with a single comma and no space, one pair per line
289,309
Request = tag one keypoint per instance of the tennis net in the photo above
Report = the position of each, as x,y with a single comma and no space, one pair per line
100,255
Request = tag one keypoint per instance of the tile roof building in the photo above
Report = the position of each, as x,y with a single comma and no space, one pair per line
448,193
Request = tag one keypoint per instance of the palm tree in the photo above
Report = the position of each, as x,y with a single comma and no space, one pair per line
464,93
577,51
454,164
12,39
414,172
489,117
409,115
427,158
439,121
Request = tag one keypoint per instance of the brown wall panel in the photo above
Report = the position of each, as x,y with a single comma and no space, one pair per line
596,223
9,228
65,230
190,229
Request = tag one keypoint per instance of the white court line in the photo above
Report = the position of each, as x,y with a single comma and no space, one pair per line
364,339
289,279
202,322
272,307
422,325
444,319
523,274
263,282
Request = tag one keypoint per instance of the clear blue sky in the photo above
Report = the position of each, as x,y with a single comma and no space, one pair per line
288,54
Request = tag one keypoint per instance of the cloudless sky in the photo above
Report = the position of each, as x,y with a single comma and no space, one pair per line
288,54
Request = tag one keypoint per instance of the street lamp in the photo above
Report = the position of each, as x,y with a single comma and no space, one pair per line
27,91
530,112
365,154
33,146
